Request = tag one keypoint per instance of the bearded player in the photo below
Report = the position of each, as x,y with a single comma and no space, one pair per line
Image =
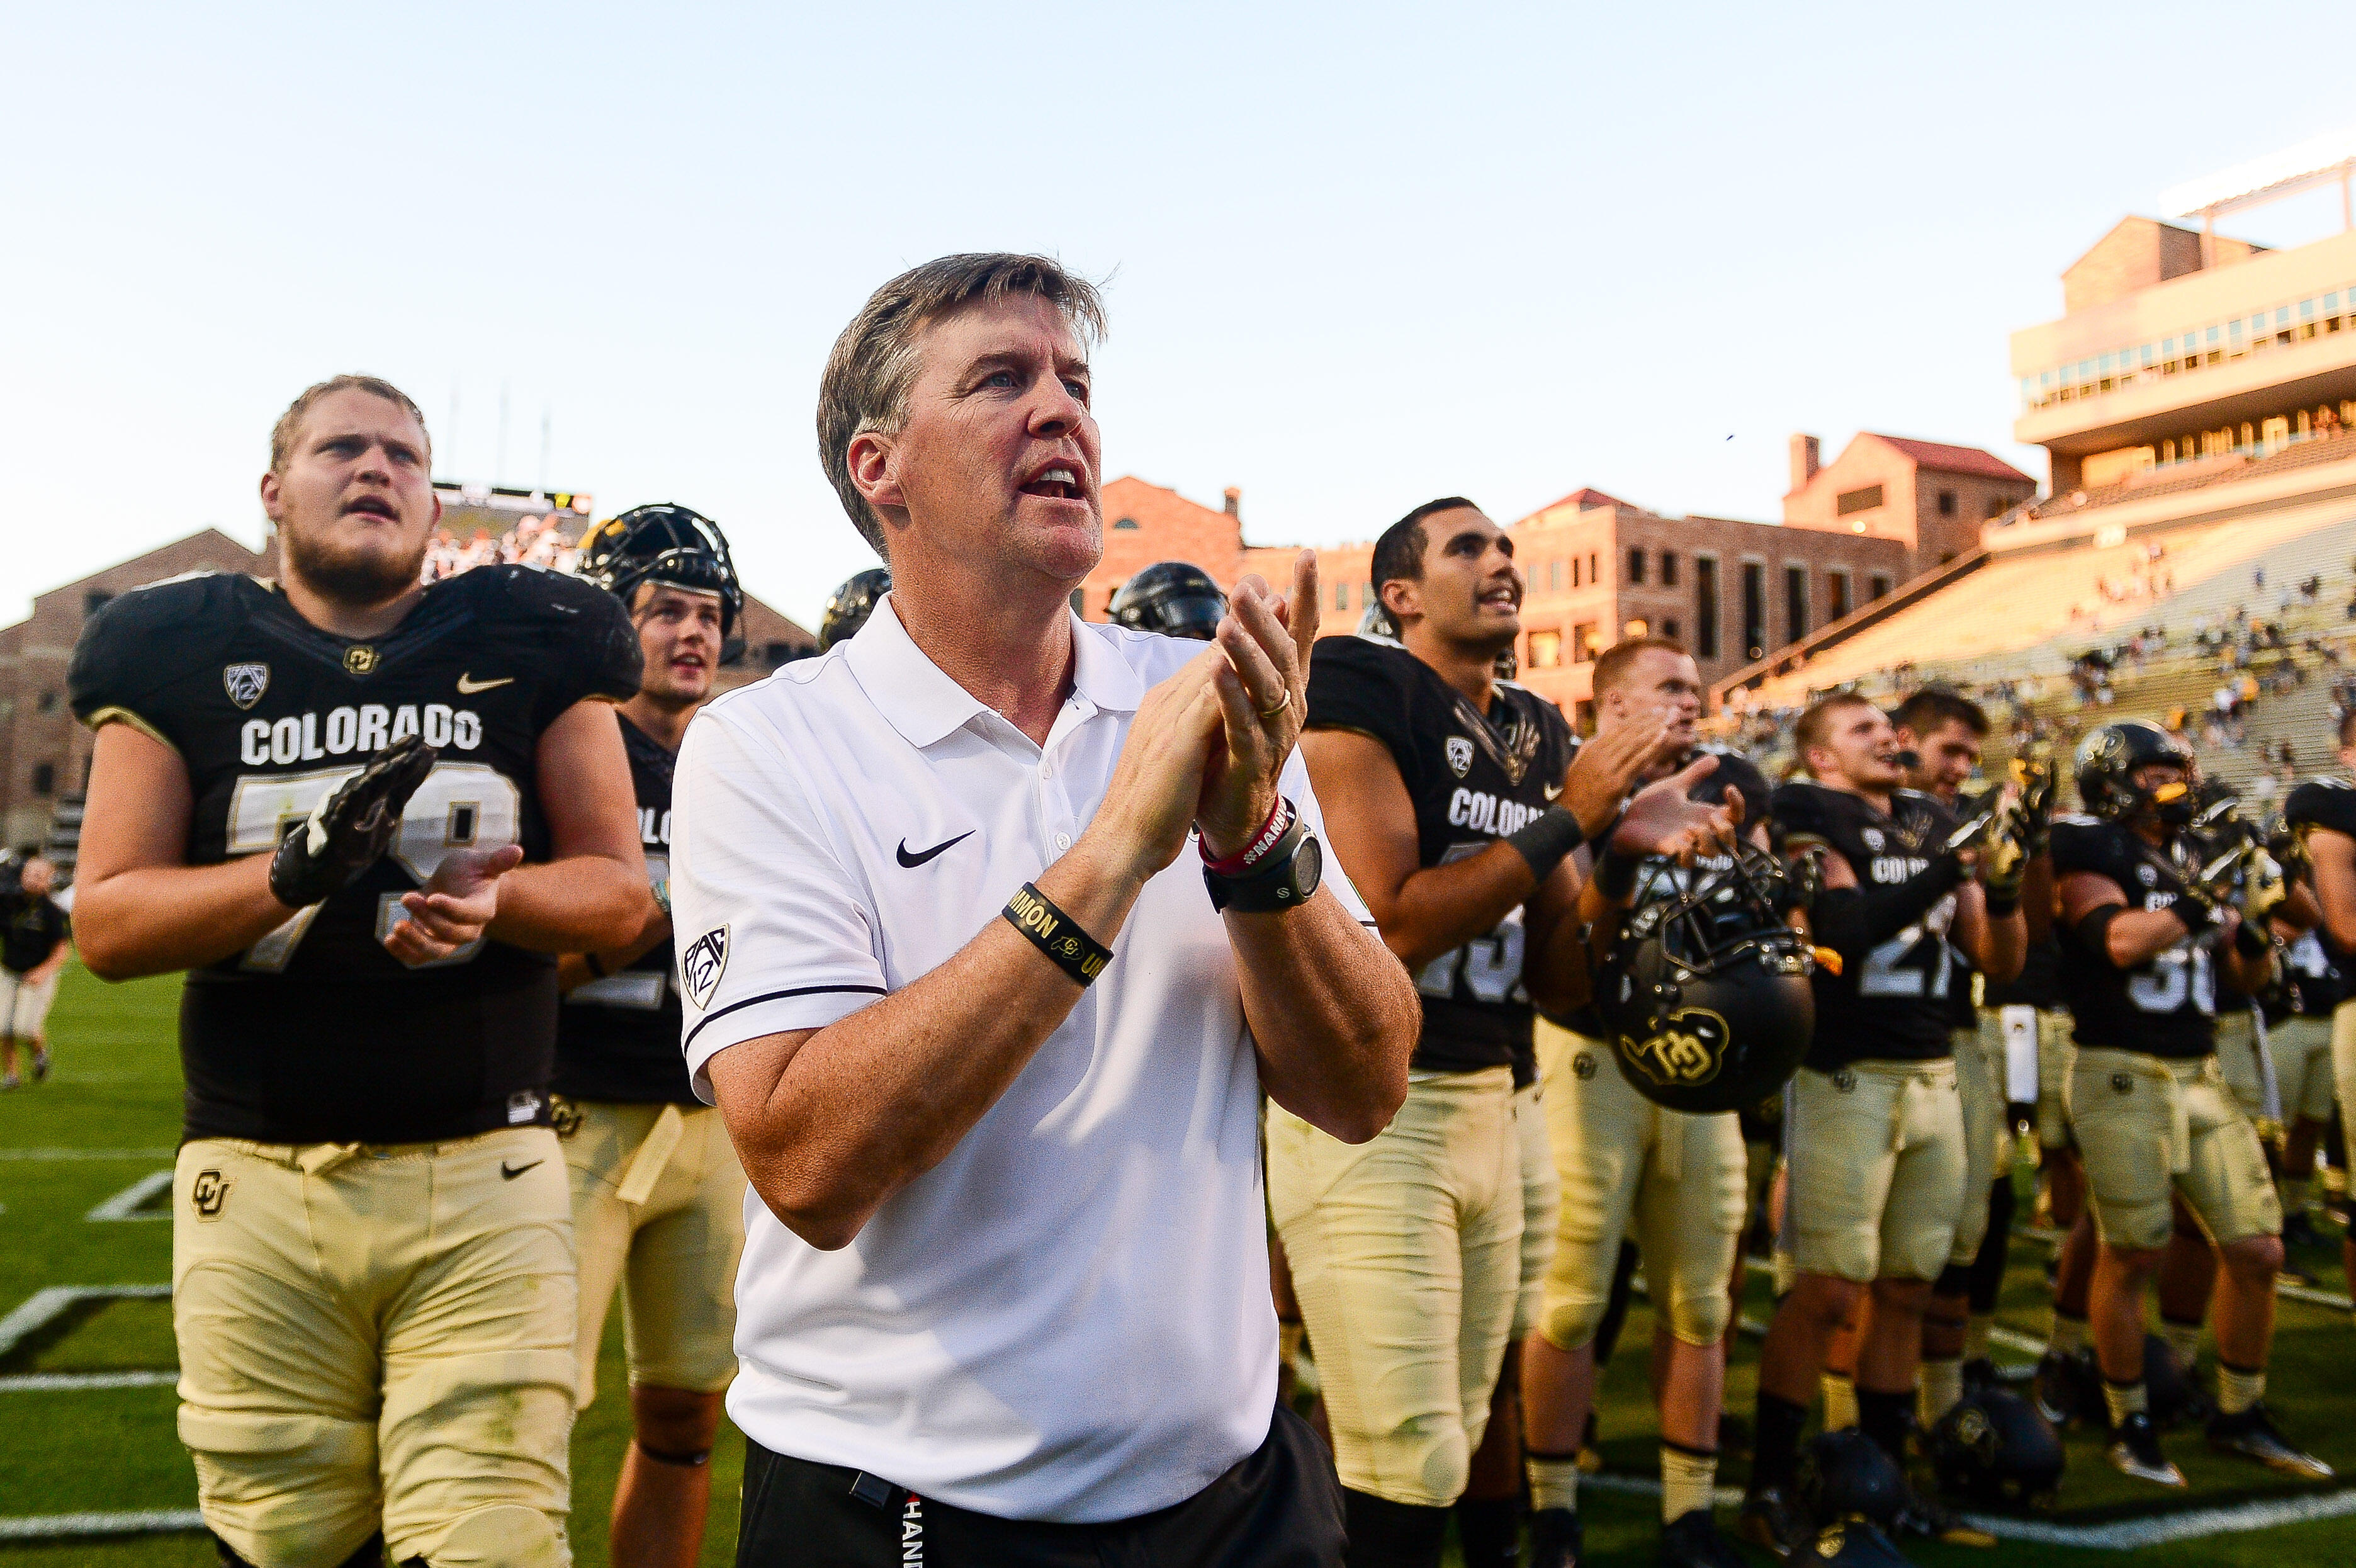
657,1196
2143,941
1674,1182
364,815
1874,1127
1408,1252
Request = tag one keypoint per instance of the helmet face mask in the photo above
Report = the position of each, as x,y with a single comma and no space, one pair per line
1706,992
673,546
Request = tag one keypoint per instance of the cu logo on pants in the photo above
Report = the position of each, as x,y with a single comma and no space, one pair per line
207,1193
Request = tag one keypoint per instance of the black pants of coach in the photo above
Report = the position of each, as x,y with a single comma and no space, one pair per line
1281,1508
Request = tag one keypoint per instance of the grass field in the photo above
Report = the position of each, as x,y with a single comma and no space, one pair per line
114,1102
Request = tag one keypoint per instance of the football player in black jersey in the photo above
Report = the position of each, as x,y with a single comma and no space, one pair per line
1874,1128
2143,940
373,1285
1675,1183
1441,788
2322,812
1943,730
657,1195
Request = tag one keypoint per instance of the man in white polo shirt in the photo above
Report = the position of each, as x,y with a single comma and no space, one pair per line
1005,1297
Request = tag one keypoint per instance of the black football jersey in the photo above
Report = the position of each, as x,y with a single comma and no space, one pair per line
2321,975
1474,779
2039,984
1657,877
1899,1003
618,1038
2166,1006
315,1033
31,927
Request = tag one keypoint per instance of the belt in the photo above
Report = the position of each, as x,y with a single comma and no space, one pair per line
653,1157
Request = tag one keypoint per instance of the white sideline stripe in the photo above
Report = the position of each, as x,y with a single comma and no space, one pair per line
2114,1535
77,1383
76,1526
52,1154
126,1205
37,1310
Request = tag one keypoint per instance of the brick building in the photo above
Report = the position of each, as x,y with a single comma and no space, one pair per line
45,755
1932,497
1598,568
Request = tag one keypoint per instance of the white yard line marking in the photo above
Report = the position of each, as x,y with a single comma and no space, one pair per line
77,1526
54,1155
126,1205
78,1383
41,1308
2112,1535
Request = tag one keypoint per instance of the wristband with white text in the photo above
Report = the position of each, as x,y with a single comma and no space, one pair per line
1056,934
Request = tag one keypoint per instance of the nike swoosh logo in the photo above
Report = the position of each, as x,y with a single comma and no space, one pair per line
922,856
511,1175
1552,790
468,685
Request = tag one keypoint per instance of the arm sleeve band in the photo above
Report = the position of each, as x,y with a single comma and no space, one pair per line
2248,942
1851,920
1547,840
2094,930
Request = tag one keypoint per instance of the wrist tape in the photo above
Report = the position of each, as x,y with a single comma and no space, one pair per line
1548,840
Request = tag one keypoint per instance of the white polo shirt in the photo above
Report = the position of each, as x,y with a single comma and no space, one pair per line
1068,1318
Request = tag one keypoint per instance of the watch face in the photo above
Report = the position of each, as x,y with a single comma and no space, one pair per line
1308,869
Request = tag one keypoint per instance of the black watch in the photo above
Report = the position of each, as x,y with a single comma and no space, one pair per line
1285,879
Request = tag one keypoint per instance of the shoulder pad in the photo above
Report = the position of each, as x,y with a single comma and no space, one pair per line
2082,843
1921,804
150,637
1800,807
589,629
2323,803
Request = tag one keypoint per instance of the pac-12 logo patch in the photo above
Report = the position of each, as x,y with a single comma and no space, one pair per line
700,966
207,1193
1874,841
245,683
1459,755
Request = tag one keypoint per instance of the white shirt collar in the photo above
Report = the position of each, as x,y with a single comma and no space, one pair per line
918,699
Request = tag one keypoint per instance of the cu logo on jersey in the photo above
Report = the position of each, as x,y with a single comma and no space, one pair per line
700,966
245,683
207,1193
1689,1050
360,658
1459,755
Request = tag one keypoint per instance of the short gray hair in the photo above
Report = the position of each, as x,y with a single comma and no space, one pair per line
874,364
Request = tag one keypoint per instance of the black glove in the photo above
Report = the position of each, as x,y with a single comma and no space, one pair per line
352,828
2038,781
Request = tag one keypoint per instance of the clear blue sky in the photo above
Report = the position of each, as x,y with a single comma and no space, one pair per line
1359,255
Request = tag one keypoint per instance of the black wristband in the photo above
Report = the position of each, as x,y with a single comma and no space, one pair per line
1056,934
1550,837
2000,905
2197,913
1615,873
2249,942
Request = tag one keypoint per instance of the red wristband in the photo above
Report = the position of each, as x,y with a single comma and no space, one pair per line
1271,831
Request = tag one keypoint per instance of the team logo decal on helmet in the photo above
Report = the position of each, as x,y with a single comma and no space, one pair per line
1687,1054
1171,597
848,608
245,683
671,544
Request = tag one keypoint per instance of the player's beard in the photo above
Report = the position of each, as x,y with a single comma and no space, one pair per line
361,576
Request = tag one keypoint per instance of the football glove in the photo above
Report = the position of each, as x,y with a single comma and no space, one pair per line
350,830
2005,852
2263,886
2039,781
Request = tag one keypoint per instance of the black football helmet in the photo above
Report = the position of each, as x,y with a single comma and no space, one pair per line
667,543
1173,598
1994,1449
2170,1392
1846,1475
848,608
1706,991
2107,760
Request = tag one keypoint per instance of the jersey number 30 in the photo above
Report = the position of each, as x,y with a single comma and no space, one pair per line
461,805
